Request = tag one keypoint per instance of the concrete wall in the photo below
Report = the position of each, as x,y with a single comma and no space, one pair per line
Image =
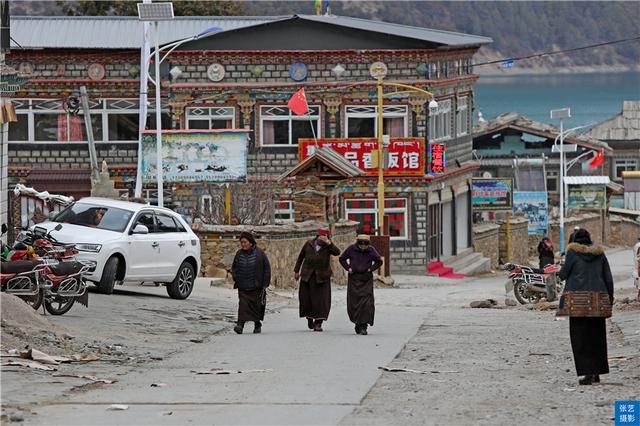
282,245
486,240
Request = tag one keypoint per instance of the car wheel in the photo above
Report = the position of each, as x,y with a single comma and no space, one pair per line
108,279
182,285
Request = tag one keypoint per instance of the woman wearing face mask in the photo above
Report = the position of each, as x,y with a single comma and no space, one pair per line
252,275
360,260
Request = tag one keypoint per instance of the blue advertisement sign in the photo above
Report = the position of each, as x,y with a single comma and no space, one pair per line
534,206
627,413
492,194
196,156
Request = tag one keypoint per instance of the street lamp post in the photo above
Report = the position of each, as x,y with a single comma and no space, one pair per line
561,114
156,12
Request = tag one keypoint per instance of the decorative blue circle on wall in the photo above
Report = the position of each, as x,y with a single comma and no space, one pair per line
298,71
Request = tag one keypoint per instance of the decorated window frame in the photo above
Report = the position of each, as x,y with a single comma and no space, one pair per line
396,209
440,121
272,118
210,117
462,116
389,112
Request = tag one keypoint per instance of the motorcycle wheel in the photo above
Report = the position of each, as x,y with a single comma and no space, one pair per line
522,295
59,305
34,301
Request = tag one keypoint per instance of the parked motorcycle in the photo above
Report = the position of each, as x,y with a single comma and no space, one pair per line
531,284
49,275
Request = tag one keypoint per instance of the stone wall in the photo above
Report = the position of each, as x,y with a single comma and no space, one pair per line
281,243
518,242
623,232
592,222
486,240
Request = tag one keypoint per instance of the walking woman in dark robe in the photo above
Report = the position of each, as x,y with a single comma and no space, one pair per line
252,275
313,269
587,299
360,260
545,252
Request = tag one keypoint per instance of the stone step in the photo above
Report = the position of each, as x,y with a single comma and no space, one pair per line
460,263
478,266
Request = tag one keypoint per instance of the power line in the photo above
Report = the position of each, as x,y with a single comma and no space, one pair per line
555,52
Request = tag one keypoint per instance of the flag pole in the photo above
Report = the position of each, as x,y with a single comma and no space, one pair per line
313,131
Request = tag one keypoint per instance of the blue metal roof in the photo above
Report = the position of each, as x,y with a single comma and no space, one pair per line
125,32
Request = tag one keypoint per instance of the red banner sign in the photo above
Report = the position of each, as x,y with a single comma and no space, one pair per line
437,161
405,155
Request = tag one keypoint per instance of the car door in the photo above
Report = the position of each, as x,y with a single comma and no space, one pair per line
172,238
142,259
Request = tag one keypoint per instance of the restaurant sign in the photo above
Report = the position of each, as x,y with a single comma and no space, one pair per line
491,194
437,161
404,157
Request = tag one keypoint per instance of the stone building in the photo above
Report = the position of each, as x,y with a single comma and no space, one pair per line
242,77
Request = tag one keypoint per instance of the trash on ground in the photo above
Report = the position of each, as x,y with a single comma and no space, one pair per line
539,354
39,356
31,364
408,370
84,357
118,407
92,378
618,358
223,371
196,340
158,385
487,303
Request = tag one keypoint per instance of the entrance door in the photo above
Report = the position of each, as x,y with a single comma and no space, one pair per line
447,229
435,230
462,222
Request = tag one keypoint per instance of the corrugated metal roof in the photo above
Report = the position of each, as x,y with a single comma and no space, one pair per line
418,33
124,32
113,32
586,180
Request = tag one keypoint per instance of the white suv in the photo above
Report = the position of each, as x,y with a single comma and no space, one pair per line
132,242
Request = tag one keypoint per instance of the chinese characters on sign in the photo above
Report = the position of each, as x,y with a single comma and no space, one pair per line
405,155
491,194
437,161
627,413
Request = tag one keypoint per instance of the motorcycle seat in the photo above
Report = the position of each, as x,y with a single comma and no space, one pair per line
19,266
66,268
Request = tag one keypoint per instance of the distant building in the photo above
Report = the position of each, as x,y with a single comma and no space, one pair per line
242,77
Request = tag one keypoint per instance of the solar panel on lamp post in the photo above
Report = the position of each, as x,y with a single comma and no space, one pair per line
155,12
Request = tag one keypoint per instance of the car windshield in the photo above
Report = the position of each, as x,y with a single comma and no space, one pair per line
95,216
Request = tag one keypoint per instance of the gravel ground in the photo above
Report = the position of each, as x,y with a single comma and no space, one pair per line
472,377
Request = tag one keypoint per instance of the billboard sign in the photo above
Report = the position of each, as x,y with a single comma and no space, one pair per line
437,158
405,156
586,197
196,155
534,206
492,194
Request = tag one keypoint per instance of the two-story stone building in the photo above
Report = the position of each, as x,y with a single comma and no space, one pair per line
242,77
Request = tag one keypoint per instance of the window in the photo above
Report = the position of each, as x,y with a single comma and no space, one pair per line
166,223
205,204
552,181
362,121
365,211
462,116
284,212
95,216
440,121
211,118
280,127
146,219
623,166
45,120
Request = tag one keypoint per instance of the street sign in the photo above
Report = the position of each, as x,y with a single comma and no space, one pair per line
571,147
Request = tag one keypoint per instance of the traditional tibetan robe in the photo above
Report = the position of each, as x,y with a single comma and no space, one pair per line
360,300
252,274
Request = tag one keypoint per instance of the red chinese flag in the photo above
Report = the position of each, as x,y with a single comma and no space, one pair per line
597,161
298,103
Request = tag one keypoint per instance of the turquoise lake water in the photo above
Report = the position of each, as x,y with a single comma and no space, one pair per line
592,98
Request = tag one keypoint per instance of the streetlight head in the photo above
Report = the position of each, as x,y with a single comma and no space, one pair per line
560,113
433,104
208,31
155,11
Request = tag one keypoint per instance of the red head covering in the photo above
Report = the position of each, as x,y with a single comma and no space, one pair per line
324,232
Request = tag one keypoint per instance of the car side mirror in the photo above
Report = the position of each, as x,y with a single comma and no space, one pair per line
140,229
58,227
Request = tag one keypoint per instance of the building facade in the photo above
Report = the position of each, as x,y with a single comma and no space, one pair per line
242,77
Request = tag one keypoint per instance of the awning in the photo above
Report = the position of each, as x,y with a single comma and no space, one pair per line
586,180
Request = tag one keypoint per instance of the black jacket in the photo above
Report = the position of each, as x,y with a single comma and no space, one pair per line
262,270
586,268
315,262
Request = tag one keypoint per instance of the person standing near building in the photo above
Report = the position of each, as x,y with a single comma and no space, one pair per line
360,260
545,252
636,267
587,299
313,269
251,274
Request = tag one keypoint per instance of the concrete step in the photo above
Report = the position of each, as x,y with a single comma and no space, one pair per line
478,266
462,262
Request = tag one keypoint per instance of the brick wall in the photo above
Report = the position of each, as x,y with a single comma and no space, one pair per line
623,232
486,240
410,257
73,156
282,245
271,161
590,221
